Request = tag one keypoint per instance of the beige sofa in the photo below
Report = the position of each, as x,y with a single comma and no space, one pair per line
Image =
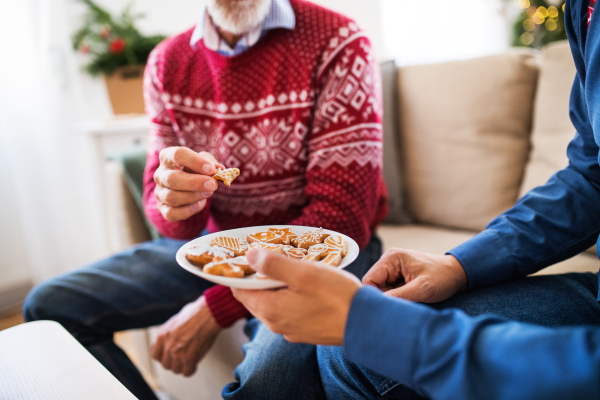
463,141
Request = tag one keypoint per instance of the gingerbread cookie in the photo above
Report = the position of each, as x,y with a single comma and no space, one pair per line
276,248
310,238
224,268
293,252
264,237
337,242
329,257
238,246
312,257
286,235
226,175
321,249
334,259
242,262
204,254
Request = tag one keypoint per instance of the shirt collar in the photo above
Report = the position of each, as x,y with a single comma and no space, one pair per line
281,15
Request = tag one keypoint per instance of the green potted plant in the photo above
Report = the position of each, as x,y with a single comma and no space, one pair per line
118,52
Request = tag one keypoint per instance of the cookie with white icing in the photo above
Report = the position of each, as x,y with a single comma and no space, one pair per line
238,246
310,238
200,255
224,268
226,175
276,248
264,237
337,242
243,263
286,234
293,252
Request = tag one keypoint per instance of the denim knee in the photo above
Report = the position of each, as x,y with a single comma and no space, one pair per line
342,379
40,302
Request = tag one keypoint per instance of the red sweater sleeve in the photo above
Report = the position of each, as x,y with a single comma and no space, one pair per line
163,135
344,185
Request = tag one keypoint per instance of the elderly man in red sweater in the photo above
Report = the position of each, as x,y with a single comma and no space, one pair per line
289,93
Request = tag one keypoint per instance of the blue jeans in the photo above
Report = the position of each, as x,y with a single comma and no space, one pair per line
144,286
553,301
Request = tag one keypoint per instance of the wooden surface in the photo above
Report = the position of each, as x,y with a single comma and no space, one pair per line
10,321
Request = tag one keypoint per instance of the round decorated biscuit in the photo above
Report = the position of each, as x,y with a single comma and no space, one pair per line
310,238
338,242
293,252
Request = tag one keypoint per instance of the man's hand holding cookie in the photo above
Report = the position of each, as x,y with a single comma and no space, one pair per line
184,182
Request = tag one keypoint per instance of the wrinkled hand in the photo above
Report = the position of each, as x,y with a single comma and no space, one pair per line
419,277
184,182
185,338
313,308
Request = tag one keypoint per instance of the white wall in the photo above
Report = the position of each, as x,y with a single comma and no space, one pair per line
14,264
422,32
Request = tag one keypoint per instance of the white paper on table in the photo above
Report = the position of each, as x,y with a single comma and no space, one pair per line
41,360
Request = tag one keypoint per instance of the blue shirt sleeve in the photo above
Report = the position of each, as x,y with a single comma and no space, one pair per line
550,223
449,355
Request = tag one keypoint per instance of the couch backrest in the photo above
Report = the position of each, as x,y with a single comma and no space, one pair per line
552,127
464,133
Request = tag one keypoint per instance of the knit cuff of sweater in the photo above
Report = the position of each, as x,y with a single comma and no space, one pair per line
223,306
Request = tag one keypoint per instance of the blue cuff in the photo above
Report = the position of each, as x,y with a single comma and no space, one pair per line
485,259
382,332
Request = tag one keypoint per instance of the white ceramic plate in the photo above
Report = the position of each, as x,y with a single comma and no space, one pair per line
250,282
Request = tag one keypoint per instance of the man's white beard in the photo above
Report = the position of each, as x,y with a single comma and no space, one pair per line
238,16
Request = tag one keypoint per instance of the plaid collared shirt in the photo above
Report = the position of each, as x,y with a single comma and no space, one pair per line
281,15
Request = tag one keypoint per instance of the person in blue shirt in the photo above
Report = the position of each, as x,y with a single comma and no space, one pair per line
543,339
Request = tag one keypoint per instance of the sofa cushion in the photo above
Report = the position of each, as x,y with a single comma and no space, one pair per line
465,136
434,240
552,127
391,157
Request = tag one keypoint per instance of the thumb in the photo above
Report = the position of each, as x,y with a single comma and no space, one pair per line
412,291
276,266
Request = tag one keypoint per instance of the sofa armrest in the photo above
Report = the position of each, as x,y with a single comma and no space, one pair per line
125,222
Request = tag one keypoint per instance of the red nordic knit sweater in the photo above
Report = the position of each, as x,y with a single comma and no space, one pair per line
299,114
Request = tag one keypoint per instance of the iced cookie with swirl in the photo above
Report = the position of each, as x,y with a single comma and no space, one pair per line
337,242
309,238
226,175
203,254
293,252
264,237
238,246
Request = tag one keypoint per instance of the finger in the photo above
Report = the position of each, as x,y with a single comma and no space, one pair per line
176,365
175,157
294,273
157,349
255,300
178,198
181,180
167,360
212,158
412,291
387,271
174,214
188,369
